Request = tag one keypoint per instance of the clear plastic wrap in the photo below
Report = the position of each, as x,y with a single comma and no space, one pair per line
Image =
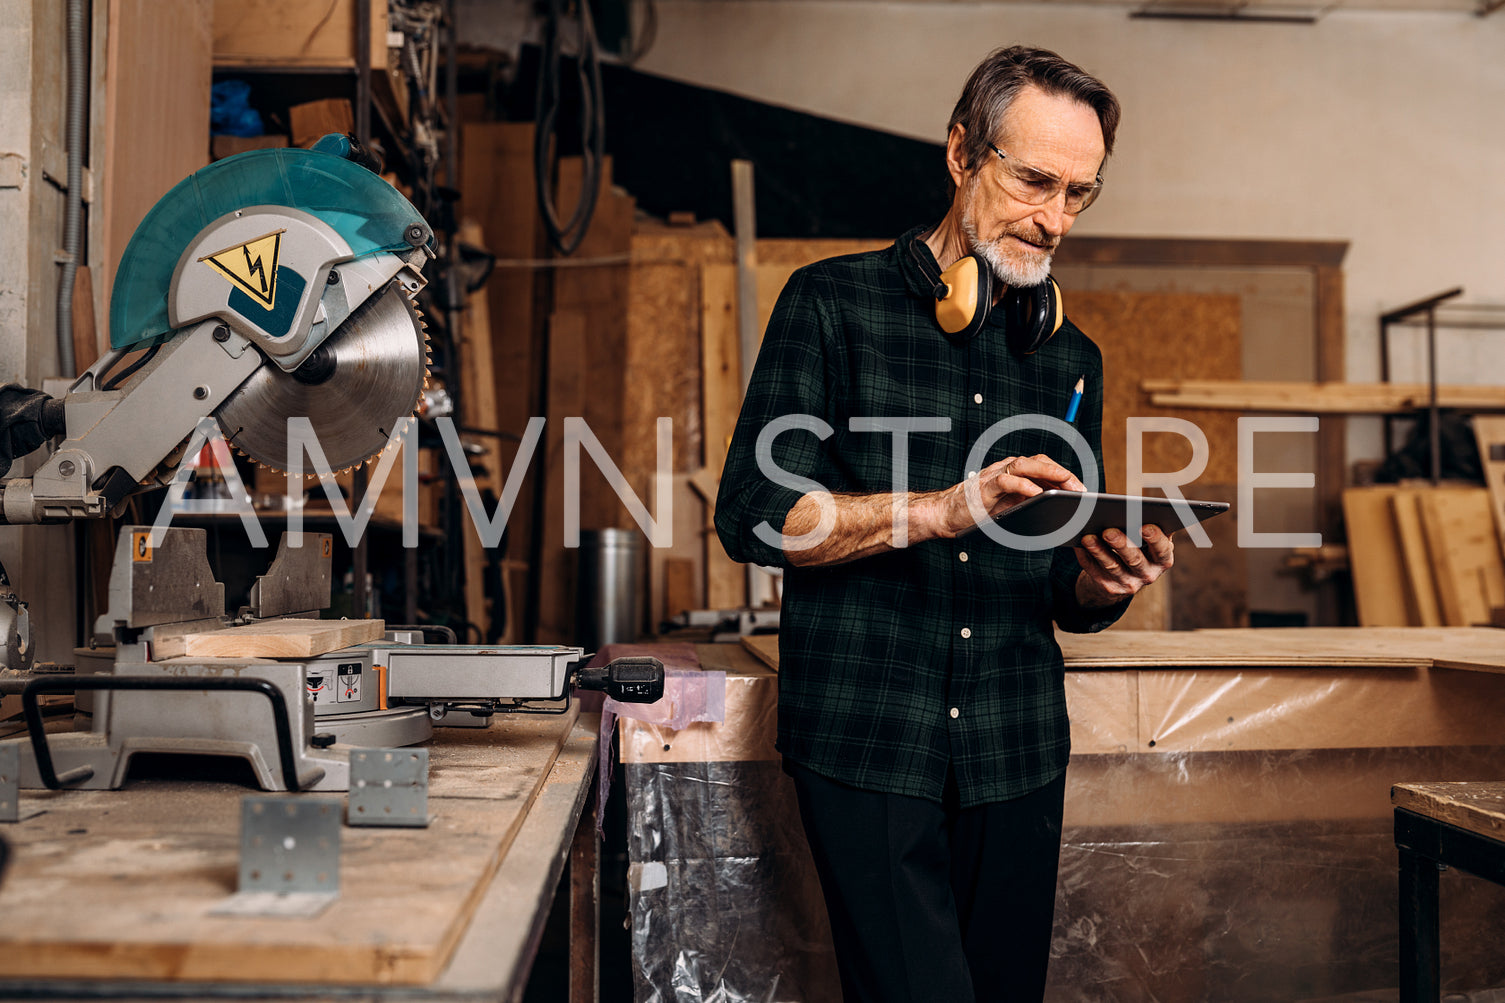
1227,836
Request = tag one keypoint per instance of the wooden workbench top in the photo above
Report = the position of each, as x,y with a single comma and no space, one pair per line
121,884
1478,806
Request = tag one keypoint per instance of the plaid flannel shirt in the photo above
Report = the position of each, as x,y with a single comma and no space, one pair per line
894,668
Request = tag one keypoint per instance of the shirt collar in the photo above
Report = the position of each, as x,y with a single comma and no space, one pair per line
916,263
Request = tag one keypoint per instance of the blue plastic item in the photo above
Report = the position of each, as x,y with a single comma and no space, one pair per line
366,211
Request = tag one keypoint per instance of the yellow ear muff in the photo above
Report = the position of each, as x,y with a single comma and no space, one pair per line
963,310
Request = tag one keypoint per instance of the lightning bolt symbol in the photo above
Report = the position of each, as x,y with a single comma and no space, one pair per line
254,267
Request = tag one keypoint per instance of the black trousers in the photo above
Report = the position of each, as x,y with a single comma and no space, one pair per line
932,903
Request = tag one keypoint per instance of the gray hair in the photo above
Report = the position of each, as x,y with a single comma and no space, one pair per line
999,78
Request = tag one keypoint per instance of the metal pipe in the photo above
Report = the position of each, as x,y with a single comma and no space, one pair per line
1435,429
73,205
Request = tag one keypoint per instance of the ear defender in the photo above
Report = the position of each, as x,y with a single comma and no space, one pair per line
962,309
964,298
1033,314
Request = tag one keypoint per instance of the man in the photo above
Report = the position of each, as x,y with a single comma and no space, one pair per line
921,705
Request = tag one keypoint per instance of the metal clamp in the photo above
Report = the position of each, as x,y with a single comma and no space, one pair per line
70,684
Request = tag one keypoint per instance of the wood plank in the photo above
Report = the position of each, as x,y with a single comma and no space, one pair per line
1478,806
295,33
478,410
85,329
310,121
680,593
1466,562
1416,564
566,397
1489,431
1318,398
1475,648
721,399
154,860
1375,556
141,162
765,647
286,638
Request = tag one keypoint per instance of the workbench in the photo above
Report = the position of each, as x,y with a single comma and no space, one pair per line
112,892
1440,825
1227,832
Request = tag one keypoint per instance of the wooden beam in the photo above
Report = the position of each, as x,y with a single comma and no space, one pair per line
1318,398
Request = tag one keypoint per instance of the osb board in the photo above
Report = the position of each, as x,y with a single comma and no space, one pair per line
1170,336
664,331
1478,806
1209,585
152,861
1375,557
287,638
156,113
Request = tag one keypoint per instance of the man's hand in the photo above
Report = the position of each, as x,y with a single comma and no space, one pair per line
997,487
1113,569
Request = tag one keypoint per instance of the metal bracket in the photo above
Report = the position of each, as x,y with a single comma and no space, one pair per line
289,857
389,787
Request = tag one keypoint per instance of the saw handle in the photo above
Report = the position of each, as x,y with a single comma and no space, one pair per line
634,679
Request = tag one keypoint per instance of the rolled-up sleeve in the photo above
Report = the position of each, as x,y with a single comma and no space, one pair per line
776,454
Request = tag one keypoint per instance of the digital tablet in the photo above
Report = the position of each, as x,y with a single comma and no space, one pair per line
1050,511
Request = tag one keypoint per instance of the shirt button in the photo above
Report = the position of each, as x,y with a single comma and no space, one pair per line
955,712
962,557
971,474
966,632
977,398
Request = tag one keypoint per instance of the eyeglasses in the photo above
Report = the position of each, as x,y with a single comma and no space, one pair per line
1035,187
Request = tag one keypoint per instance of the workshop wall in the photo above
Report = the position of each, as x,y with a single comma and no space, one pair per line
1367,126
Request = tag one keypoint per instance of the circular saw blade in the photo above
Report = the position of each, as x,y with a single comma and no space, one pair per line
375,366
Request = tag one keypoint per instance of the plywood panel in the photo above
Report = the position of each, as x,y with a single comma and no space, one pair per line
1489,430
1374,555
1416,564
1466,562
156,112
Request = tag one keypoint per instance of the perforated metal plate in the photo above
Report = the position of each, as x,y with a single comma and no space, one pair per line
389,787
289,856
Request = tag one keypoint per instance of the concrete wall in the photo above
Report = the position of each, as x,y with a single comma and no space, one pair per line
1382,129
32,111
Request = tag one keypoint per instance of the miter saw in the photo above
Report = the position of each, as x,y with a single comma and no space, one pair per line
273,285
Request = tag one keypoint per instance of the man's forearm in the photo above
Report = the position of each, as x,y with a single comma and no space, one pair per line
864,525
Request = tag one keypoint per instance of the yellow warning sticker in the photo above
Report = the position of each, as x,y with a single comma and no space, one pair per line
328,548
252,266
141,546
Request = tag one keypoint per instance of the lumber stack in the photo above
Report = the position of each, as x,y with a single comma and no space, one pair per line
1424,555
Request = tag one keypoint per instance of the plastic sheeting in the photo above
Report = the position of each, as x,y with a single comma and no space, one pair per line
1243,868
725,902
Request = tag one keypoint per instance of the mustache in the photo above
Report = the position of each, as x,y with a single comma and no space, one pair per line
1032,235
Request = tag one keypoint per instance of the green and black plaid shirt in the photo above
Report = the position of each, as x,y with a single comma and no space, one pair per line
896,666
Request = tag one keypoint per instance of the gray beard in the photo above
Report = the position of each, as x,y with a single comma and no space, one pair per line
1010,273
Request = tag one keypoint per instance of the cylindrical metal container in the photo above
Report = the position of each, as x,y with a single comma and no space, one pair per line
609,591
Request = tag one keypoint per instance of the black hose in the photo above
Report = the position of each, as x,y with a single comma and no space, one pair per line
567,238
